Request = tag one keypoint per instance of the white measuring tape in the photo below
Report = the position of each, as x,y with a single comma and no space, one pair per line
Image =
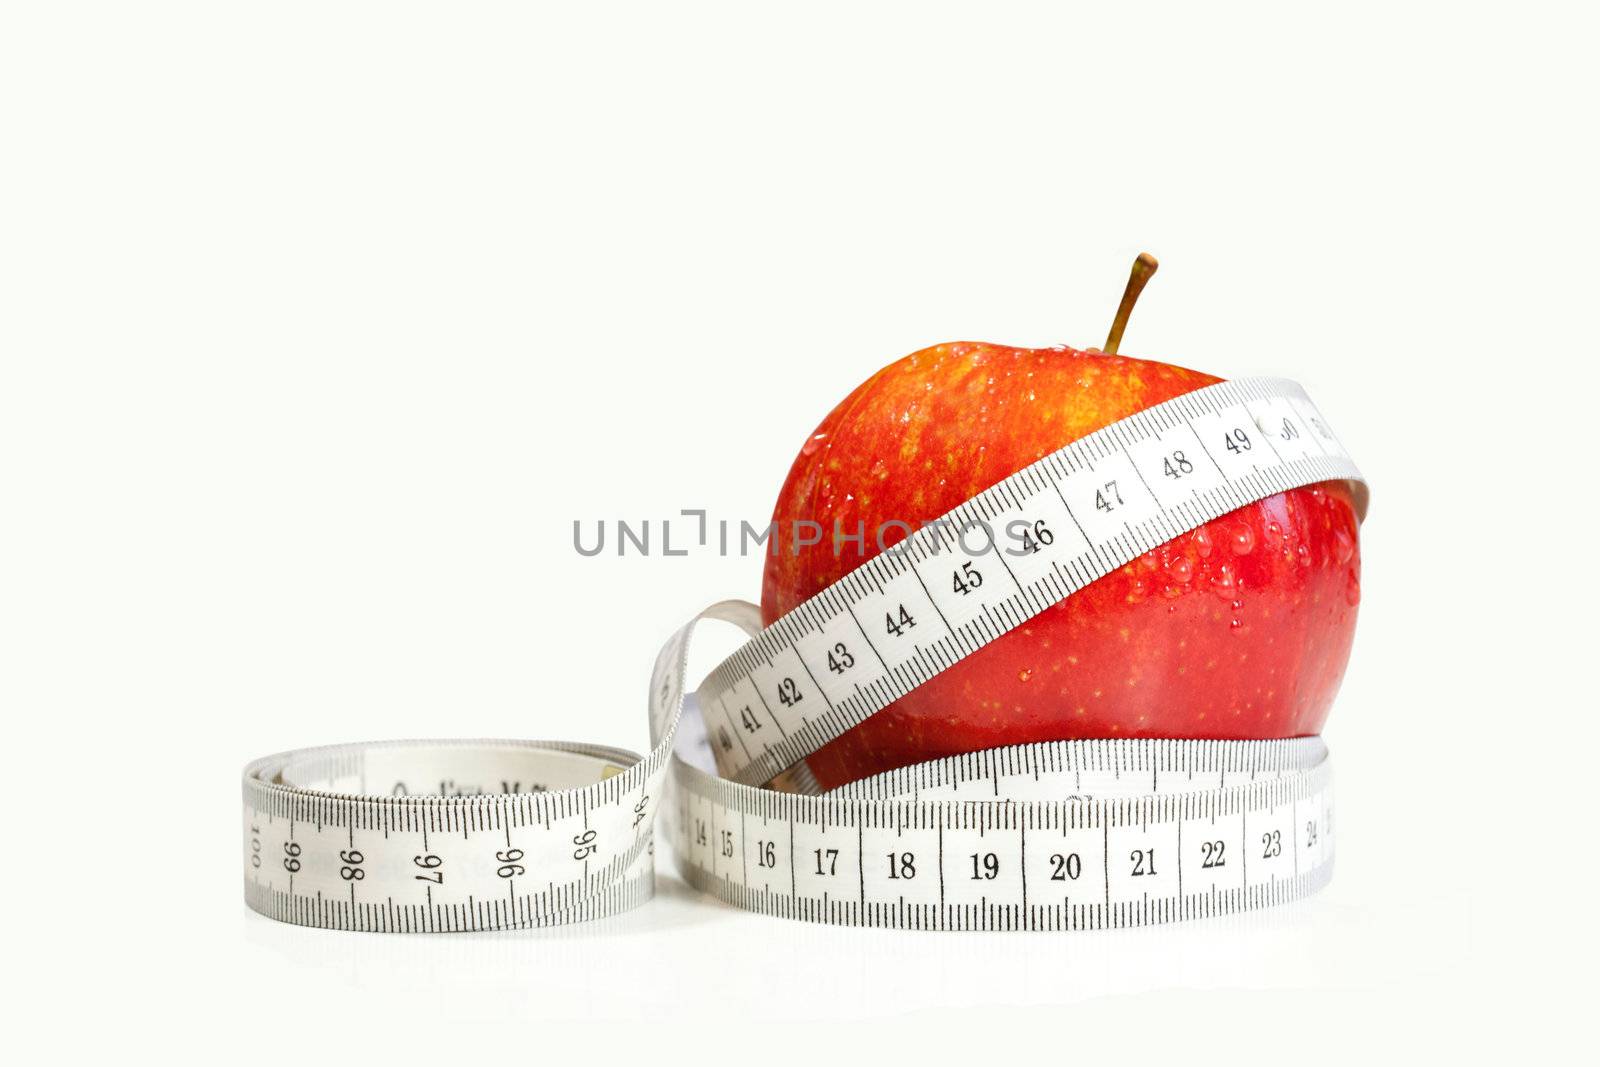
485,835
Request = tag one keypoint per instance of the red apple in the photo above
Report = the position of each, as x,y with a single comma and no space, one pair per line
1239,629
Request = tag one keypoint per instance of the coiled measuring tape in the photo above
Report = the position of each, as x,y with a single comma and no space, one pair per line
489,835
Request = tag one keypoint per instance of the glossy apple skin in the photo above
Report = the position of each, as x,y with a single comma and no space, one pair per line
1239,629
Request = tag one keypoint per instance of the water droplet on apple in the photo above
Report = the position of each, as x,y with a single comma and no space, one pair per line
1242,540
1344,546
1202,542
1180,569
1223,582
1024,675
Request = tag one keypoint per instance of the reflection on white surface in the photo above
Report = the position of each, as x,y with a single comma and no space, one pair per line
684,949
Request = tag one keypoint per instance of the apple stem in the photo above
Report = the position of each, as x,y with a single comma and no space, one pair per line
1143,268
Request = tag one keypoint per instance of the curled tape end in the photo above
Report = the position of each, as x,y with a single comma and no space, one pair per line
1361,496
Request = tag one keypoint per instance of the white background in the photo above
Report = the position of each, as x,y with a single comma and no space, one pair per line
320,323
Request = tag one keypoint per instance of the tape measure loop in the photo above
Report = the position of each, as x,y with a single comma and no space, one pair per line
435,836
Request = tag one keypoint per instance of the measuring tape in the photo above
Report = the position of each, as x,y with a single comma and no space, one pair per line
488,835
